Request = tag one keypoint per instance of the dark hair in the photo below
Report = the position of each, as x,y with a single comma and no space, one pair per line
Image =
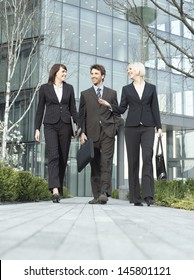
99,68
54,69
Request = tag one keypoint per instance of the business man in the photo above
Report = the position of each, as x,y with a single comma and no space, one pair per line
99,124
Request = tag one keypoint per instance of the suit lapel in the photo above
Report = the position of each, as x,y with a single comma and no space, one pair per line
52,92
65,91
144,91
93,93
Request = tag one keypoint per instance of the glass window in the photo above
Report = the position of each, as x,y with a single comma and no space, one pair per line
186,32
53,56
119,40
188,102
89,4
177,102
119,77
84,71
162,21
134,42
55,24
102,7
104,36
70,30
3,69
176,90
88,32
175,27
71,62
72,2
163,90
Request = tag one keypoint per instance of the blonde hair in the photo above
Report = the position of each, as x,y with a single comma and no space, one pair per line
138,67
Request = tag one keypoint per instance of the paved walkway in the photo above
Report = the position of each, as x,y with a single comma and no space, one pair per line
74,229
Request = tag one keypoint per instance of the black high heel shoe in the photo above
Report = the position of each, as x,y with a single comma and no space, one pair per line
138,204
56,198
148,200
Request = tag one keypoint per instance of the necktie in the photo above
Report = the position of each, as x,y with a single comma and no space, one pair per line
98,93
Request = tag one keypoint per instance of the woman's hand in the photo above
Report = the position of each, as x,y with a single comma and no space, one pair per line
37,135
104,102
160,134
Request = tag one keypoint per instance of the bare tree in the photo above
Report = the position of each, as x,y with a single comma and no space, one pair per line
17,18
144,13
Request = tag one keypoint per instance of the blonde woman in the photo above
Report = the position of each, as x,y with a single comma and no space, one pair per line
143,117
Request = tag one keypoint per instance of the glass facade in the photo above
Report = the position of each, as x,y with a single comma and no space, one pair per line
80,33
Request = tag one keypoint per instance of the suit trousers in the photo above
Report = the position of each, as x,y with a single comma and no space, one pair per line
101,165
135,138
58,139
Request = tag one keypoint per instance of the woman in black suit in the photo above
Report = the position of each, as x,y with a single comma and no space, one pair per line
57,101
143,116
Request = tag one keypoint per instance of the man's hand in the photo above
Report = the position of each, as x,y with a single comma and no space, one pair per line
104,102
37,135
83,138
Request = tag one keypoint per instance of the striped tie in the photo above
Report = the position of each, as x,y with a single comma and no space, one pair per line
98,93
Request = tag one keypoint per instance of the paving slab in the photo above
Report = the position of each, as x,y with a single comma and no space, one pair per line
74,229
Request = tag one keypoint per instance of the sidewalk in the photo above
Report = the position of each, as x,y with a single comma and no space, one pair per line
75,229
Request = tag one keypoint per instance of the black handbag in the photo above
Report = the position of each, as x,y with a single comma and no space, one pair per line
160,164
85,154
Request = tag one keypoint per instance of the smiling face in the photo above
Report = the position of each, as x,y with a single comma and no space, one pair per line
96,77
131,72
136,70
61,75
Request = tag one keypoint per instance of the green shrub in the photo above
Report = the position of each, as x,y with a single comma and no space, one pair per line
8,184
115,194
169,189
32,188
66,193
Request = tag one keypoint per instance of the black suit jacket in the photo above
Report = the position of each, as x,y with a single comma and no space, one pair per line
51,109
93,116
144,110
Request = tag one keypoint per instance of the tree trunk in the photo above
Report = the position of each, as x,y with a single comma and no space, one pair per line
6,120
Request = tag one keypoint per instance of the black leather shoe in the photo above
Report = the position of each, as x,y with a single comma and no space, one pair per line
103,198
94,201
138,204
56,198
148,200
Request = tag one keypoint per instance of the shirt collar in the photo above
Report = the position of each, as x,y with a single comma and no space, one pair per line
57,86
101,87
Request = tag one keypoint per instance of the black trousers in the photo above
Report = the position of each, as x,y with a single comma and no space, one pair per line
58,139
135,138
101,165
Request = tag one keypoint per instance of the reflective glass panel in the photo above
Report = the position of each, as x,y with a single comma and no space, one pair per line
102,7
104,36
70,30
88,32
119,77
119,40
134,42
84,71
89,4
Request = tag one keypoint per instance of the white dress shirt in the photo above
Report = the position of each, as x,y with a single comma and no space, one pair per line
59,91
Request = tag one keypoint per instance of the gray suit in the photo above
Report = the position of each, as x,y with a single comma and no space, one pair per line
100,125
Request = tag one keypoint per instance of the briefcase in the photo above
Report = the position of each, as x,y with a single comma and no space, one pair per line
74,128
85,154
160,164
